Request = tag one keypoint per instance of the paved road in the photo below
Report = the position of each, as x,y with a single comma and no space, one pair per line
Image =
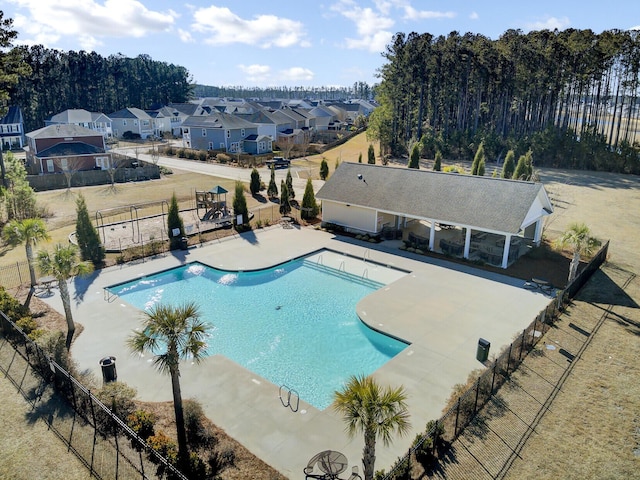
299,172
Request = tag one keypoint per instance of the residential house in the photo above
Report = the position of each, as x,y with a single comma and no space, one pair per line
478,218
217,131
256,144
12,129
95,121
132,122
179,113
60,148
322,118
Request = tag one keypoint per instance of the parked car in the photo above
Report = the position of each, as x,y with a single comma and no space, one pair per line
278,162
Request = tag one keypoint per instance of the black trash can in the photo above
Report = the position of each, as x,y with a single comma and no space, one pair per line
109,373
483,350
184,243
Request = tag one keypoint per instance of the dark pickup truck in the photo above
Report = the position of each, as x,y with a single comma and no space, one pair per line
278,162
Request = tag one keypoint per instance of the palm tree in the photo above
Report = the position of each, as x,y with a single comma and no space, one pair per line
63,264
172,334
578,238
373,410
29,231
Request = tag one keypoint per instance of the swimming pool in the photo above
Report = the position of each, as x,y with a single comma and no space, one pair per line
293,324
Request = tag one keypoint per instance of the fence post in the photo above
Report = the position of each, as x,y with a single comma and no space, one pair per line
455,428
524,332
475,403
509,358
95,433
493,377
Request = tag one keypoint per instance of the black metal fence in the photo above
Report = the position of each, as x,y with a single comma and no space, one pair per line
448,427
14,275
99,438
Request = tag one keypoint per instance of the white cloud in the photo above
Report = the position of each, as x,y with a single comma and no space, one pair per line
185,36
372,27
297,74
90,20
224,27
256,73
411,13
549,23
474,16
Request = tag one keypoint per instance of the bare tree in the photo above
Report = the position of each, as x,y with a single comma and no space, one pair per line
116,163
69,167
286,143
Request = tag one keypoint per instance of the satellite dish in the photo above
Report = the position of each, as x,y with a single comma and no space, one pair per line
359,176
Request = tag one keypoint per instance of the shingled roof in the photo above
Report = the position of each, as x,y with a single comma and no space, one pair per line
483,203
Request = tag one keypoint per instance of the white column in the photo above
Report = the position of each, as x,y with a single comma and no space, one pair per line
538,235
467,242
505,251
432,235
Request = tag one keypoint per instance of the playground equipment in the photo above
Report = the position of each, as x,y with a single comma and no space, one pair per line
215,207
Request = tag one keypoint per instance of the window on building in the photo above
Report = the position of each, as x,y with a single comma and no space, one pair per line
228,133
124,123
204,132
242,133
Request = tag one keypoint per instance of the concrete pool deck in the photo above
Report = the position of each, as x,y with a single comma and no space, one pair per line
440,308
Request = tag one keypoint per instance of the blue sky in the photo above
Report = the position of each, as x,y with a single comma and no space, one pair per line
284,42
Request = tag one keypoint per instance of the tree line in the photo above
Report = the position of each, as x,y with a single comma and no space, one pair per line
357,90
60,80
570,96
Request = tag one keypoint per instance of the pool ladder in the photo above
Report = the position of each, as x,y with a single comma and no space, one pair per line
291,394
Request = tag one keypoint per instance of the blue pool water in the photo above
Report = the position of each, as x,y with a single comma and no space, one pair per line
294,324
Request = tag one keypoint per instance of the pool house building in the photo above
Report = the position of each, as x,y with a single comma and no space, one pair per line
480,218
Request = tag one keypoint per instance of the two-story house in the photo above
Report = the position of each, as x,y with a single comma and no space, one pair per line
217,131
95,121
12,129
59,148
131,122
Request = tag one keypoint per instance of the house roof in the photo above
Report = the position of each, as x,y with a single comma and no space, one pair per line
13,116
218,120
78,115
69,149
258,138
63,130
130,113
484,203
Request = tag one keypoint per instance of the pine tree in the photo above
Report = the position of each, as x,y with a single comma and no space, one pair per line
509,165
360,158
477,159
437,164
240,207
309,207
272,189
292,192
481,168
175,225
285,206
414,161
324,169
371,155
87,236
255,183
520,172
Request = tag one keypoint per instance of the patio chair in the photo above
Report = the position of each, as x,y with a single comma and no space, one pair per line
354,474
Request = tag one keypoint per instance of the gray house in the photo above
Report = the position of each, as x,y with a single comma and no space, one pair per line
98,122
478,218
217,131
132,120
